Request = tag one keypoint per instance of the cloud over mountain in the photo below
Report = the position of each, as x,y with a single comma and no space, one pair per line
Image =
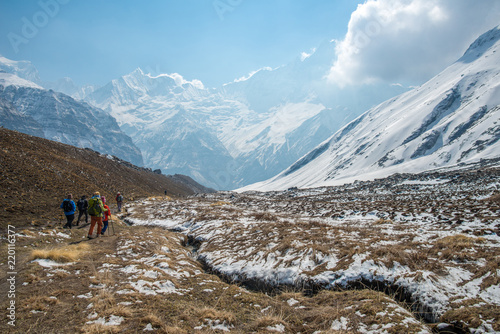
408,40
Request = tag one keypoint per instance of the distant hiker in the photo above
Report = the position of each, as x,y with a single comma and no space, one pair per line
107,215
165,193
119,201
69,208
82,205
95,211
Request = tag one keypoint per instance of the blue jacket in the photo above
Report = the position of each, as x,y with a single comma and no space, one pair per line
73,207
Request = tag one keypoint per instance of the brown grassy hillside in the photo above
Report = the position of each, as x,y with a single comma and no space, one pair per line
36,174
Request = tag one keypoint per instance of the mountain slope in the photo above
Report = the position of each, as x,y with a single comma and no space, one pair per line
36,174
12,119
22,69
59,117
451,119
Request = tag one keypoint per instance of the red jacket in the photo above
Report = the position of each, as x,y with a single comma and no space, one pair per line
107,213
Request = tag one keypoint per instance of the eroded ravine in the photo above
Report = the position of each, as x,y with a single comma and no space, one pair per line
310,288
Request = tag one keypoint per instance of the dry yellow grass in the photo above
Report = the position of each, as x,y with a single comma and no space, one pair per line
40,303
100,329
220,203
383,221
68,253
118,310
152,319
103,300
458,241
211,313
456,247
268,320
172,330
471,314
27,233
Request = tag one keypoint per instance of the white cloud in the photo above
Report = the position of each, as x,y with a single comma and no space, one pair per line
179,80
251,74
408,40
305,55
397,84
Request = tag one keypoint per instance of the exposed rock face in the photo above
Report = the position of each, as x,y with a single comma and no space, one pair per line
12,119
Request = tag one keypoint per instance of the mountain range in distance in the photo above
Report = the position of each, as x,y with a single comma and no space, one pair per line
268,126
29,108
227,137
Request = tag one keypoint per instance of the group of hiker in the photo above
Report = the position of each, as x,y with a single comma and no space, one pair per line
95,207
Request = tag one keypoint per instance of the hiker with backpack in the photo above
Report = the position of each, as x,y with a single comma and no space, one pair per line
119,200
82,205
95,210
107,215
69,208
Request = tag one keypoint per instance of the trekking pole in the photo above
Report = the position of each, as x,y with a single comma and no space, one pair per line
113,226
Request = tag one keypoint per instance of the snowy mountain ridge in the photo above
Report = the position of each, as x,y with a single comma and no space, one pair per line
27,107
243,132
9,79
451,119
22,69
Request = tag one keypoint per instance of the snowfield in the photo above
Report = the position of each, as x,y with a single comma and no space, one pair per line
429,240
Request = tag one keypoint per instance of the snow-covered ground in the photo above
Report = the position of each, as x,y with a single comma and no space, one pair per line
150,282
429,239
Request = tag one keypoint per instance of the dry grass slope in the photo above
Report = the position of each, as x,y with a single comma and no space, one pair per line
36,174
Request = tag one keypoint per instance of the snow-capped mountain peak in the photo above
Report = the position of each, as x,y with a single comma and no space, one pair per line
22,68
482,44
453,118
9,79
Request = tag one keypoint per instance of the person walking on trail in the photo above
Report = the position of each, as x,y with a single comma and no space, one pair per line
82,205
107,215
69,208
119,201
95,210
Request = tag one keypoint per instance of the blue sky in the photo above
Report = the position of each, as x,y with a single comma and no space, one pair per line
217,41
